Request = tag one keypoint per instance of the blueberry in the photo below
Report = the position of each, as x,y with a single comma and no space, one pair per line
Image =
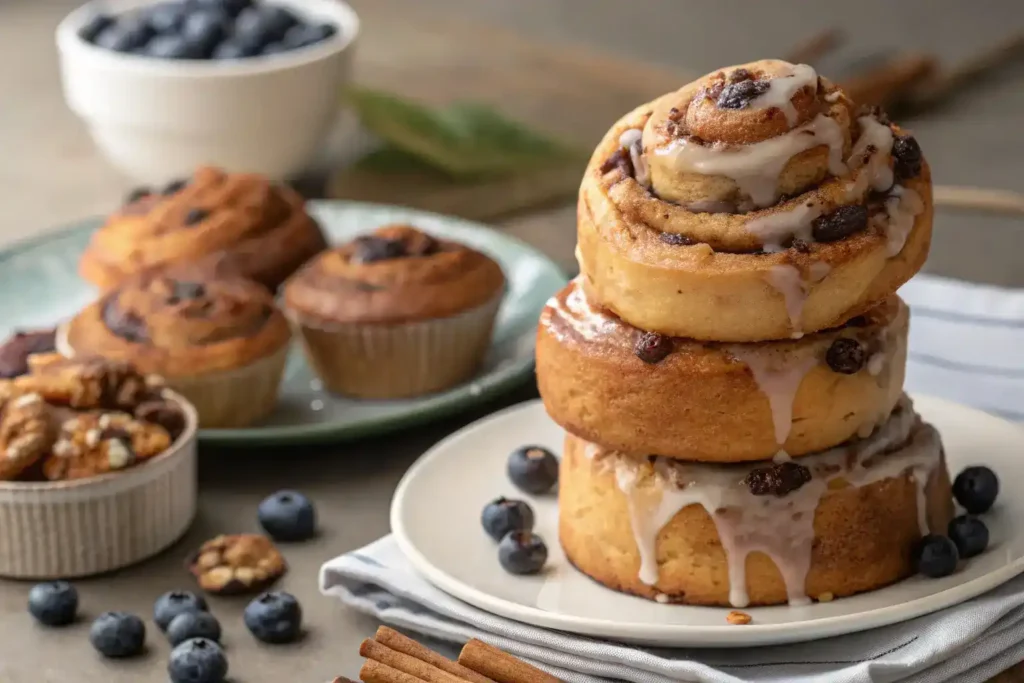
274,618
522,552
231,49
288,516
302,35
174,186
170,605
188,625
126,35
230,7
94,27
117,634
205,29
503,516
257,27
136,194
533,469
274,49
969,534
936,556
198,660
976,489
54,603
165,17
172,47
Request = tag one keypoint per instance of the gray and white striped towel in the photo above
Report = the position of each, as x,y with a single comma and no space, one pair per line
967,345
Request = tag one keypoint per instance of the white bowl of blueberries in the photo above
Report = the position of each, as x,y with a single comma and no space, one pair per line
247,85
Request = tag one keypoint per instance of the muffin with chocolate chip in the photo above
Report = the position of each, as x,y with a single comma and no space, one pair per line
221,342
238,223
396,313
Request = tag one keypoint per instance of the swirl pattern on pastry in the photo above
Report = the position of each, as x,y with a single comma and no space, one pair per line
755,203
636,392
231,222
395,274
176,325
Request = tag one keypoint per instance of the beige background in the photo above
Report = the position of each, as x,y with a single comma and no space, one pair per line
50,175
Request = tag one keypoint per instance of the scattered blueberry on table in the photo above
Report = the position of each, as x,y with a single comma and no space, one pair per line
522,552
54,603
189,625
198,660
169,605
274,618
533,469
288,516
969,534
118,635
936,556
505,515
976,489
206,29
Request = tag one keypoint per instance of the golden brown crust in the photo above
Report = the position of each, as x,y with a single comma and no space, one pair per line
232,565
863,537
177,327
395,274
95,443
663,244
702,401
232,222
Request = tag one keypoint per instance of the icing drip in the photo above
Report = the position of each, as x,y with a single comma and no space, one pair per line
901,208
585,320
777,229
876,363
632,140
787,280
781,89
780,527
778,377
756,167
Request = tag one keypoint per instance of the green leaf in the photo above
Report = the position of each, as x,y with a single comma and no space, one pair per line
467,139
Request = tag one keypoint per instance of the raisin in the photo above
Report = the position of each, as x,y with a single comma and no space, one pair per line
620,160
841,223
740,75
800,245
777,479
845,356
651,347
908,157
739,95
675,239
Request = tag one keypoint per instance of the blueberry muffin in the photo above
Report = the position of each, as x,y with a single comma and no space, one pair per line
234,223
396,313
221,342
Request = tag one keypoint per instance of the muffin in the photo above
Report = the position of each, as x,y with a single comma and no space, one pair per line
235,223
396,313
220,342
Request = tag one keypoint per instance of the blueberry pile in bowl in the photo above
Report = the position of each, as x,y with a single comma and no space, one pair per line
206,30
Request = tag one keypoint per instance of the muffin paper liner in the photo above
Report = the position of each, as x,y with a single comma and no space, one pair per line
228,398
90,526
398,360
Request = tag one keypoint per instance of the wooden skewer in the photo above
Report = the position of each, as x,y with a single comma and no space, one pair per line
816,47
947,82
980,199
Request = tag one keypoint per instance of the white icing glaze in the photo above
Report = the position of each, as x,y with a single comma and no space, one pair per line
778,376
775,230
833,97
588,322
631,140
818,271
781,89
901,209
780,527
787,280
756,167
876,363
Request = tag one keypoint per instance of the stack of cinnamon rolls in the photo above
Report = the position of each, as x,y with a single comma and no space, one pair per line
729,364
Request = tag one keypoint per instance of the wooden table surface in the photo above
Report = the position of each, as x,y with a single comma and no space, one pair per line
596,61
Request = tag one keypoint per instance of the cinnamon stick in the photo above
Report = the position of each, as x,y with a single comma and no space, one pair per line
376,672
423,671
892,80
405,645
815,47
951,80
501,666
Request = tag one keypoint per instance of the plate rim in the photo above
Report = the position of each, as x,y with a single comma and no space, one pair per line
723,636
490,385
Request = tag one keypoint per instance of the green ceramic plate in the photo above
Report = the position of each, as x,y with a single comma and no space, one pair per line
39,287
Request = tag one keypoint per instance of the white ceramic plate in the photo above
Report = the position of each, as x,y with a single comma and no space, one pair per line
442,537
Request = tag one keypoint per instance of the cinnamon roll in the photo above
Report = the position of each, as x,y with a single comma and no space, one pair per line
222,343
638,392
832,524
755,203
234,223
395,313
